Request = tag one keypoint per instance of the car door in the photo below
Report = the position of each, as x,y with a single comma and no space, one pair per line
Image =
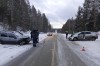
12,38
87,35
81,36
4,38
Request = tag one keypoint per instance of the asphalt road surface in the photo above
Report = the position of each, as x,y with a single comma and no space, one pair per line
53,51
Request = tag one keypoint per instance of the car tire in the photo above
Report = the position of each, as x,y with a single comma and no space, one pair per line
26,42
21,42
0,42
75,39
93,38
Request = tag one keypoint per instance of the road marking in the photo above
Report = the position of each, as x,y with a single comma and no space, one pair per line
53,55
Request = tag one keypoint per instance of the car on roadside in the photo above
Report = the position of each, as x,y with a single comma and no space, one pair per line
13,37
84,35
49,34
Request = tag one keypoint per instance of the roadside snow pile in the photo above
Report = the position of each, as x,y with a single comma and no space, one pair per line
98,35
42,37
92,50
99,32
65,35
9,52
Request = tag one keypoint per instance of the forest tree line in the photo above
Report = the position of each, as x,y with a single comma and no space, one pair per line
87,18
19,15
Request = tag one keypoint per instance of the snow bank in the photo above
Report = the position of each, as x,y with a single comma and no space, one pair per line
42,36
9,52
98,35
64,35
92,50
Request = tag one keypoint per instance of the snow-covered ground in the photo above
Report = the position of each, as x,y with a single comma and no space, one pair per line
91,55
98,35
9,52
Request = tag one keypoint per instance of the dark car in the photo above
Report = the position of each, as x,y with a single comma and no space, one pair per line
84,35
13,37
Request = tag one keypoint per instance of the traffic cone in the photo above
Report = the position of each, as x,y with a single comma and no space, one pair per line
83,49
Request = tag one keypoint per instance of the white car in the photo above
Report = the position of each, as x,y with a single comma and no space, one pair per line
84,35
49,34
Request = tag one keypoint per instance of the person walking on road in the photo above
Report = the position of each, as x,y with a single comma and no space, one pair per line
35,37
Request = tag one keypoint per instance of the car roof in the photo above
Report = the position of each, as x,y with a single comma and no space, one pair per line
13,32
85,31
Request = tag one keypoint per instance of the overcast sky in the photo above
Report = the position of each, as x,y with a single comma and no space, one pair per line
57,11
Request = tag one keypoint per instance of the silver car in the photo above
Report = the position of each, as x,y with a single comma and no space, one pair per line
84,35
9,37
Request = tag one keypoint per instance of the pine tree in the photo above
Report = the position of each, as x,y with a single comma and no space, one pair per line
19,14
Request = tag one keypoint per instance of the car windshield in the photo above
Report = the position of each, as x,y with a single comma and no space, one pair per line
18,34
76,33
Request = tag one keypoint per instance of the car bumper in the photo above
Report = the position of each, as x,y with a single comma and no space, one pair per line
70,38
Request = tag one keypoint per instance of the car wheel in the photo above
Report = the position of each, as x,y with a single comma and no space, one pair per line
75,39
21,42
26,42
69,39
93,39
0,42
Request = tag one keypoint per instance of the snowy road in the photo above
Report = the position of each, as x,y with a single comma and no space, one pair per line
52,52
66,57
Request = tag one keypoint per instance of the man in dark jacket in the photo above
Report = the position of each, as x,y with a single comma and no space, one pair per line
66,34
34,36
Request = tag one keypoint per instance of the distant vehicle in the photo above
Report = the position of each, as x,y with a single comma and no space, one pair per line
84,35
49,34
13,37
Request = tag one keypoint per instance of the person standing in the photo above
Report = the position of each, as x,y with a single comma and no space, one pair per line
35,37
66,34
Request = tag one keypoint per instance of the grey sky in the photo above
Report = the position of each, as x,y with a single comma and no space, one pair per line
57,11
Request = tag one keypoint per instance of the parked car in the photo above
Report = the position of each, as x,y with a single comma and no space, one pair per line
84,35
13,37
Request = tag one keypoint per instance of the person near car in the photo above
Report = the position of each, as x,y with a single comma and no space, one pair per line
66,34
35,37
31,34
